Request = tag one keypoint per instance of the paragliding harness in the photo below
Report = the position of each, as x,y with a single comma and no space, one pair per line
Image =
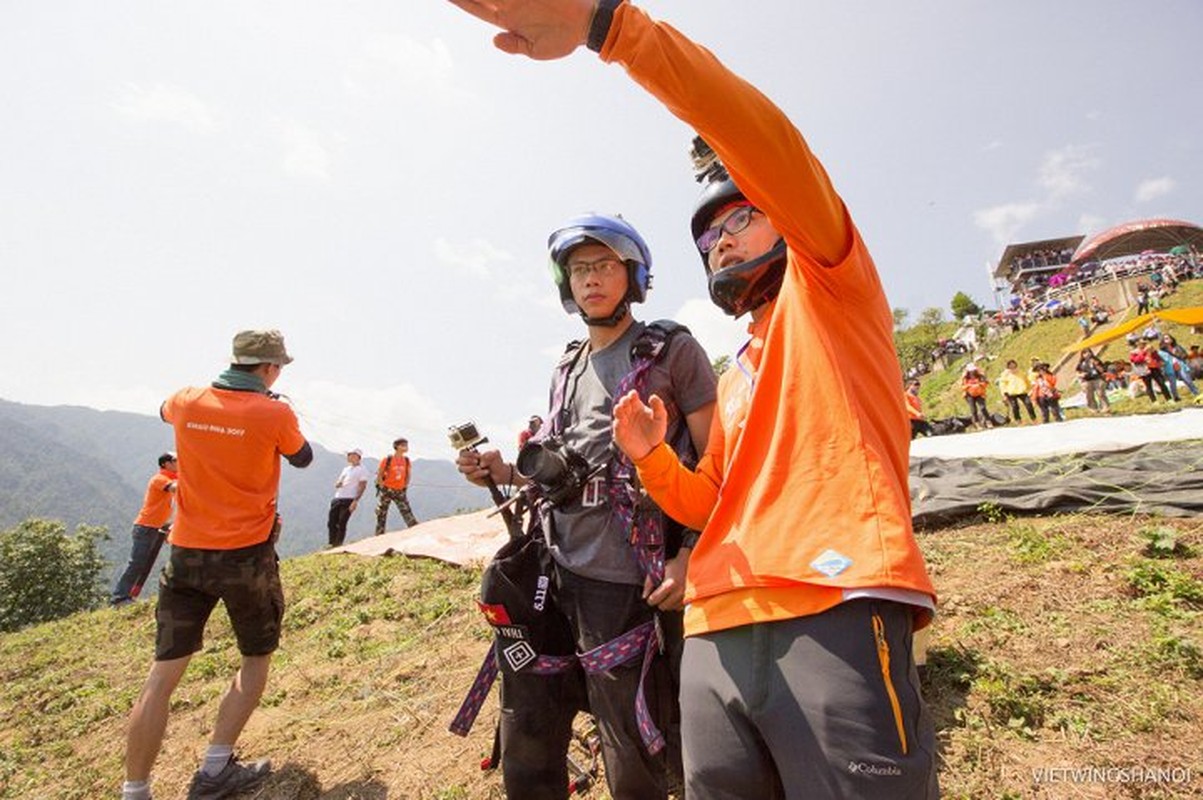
530,635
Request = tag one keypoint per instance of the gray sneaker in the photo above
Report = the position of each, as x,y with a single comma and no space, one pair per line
233,778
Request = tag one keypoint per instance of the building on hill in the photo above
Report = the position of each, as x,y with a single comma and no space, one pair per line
1111,261
1026,268
1158,240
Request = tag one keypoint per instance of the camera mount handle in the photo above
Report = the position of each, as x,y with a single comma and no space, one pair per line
503,505
465,438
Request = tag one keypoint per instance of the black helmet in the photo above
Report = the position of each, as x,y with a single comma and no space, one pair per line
738,288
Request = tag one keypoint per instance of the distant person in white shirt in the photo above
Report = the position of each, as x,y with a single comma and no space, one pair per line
350,486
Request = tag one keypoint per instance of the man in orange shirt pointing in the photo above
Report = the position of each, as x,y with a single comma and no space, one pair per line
803,591
230,437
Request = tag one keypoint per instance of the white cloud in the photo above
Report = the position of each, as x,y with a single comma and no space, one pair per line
1153,188
163,103
341,417
1063,172
390,62
304,154
994,145
718,333
1003,221
1091,223
477,256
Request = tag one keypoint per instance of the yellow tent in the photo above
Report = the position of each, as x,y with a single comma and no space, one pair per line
1180,316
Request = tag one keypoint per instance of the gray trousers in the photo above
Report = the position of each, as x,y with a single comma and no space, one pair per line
819,707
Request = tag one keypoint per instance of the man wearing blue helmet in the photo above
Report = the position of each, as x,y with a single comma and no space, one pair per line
806,584
607,583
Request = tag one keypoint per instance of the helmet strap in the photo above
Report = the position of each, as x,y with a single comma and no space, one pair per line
616,316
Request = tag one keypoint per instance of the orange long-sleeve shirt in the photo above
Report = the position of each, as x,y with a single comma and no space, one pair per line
802,493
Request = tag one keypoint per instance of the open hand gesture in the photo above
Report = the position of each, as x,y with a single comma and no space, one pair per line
639,427
539,29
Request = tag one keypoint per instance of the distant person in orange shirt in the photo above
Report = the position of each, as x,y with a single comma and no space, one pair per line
973,387
150,530
392,481
230,437
914,408
805,587
1046,394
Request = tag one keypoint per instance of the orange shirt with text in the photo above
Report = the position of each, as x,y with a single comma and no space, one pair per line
229,445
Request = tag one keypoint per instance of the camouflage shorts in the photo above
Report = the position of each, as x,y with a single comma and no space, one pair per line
247,580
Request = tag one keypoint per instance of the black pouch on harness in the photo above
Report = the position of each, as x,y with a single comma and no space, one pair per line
518,600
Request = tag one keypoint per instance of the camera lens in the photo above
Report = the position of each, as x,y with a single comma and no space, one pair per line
542,465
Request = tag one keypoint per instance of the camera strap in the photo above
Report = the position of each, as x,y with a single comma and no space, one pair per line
643,521
561,398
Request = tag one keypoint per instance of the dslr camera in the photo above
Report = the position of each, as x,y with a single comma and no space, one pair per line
559,471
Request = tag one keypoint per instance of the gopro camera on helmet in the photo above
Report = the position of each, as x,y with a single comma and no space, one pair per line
558,470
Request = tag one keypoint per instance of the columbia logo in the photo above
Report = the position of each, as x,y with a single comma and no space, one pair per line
831,563
865,768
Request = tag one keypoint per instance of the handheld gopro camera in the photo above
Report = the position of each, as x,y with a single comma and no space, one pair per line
465,436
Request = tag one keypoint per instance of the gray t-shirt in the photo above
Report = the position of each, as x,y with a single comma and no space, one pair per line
589,538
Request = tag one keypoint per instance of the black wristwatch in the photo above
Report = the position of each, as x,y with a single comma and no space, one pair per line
599,28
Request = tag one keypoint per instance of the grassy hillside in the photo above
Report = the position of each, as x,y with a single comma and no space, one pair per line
1047,341
1071,642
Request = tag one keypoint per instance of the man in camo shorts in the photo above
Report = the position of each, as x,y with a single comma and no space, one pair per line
229,436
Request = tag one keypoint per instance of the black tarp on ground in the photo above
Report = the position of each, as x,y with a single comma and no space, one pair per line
1156,478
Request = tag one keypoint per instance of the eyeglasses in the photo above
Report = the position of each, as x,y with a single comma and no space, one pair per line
604,267
739,220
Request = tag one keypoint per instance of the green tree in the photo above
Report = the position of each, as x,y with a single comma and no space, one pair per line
900,315
721,364
46,573
962,306
914,345
931,319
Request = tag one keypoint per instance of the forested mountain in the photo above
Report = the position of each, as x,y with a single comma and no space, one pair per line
80,465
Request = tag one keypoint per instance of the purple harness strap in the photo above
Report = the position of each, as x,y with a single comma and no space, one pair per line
645,524
469,710
643,640
646,527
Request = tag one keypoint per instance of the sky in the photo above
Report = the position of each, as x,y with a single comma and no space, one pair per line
378,182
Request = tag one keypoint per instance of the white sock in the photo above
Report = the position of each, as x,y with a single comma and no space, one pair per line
135,790
216,758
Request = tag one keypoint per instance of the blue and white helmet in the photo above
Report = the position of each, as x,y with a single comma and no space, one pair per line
615,233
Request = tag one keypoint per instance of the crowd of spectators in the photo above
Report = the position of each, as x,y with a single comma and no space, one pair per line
1160,268
1157,367
1040,259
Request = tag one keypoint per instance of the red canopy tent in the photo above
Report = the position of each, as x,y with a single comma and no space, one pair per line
1133,238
